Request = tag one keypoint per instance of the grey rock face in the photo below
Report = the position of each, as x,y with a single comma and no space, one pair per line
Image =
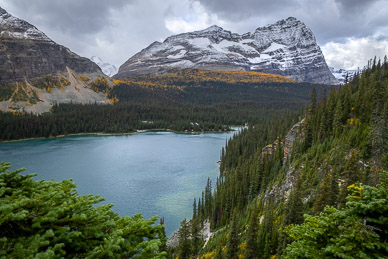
286,48
26,53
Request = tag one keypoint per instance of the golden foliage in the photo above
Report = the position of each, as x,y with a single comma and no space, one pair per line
64,81
354,121
276,220
242,246
198,78
209,255
84,78
49,82
116,81
224,76
357,190
100,84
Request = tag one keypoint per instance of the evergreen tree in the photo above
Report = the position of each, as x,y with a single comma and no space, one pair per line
233,240
195,208
208,198
251,248
184,245
47,219
337,119
328,192
199,210
308,134
350,175
294,206
163,237
313,102
195,236
359,230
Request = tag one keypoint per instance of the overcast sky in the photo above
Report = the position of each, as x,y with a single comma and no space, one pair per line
349,31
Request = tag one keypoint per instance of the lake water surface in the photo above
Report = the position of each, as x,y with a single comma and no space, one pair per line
155,173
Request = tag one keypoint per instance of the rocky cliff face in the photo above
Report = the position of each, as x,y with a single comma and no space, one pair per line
286,48
284,189
27,54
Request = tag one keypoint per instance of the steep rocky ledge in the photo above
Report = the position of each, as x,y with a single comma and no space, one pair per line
284,189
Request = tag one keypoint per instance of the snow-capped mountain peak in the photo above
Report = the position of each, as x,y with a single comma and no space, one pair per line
287,47
107,69
212,28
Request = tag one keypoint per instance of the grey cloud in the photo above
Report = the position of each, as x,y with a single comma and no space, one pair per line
77,17
329,19
354,7
243,9
115,30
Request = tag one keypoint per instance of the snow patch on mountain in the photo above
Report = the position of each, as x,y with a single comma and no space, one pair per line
107,69
340,74
287,47
12,27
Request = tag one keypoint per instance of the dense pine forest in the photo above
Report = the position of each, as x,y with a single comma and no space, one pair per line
318,191
190,100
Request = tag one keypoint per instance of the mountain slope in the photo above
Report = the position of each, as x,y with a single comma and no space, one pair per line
107,69
286,48
29,58
275,177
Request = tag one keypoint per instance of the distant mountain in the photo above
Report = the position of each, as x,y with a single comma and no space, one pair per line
287,48
37,72
340,74
107,69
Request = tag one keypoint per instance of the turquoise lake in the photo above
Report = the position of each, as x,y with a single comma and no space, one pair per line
153,173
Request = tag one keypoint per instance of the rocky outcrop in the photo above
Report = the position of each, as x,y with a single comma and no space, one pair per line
294,133
27,55
284,189
286,48
206,234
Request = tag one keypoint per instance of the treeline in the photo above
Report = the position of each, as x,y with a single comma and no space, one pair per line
337,165
167,102
129,117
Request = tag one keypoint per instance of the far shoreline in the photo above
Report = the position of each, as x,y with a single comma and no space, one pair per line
119,134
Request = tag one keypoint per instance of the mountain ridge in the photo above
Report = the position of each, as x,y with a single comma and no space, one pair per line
287,47
36,72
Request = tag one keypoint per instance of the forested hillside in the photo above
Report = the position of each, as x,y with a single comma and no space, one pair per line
318,191
190,100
